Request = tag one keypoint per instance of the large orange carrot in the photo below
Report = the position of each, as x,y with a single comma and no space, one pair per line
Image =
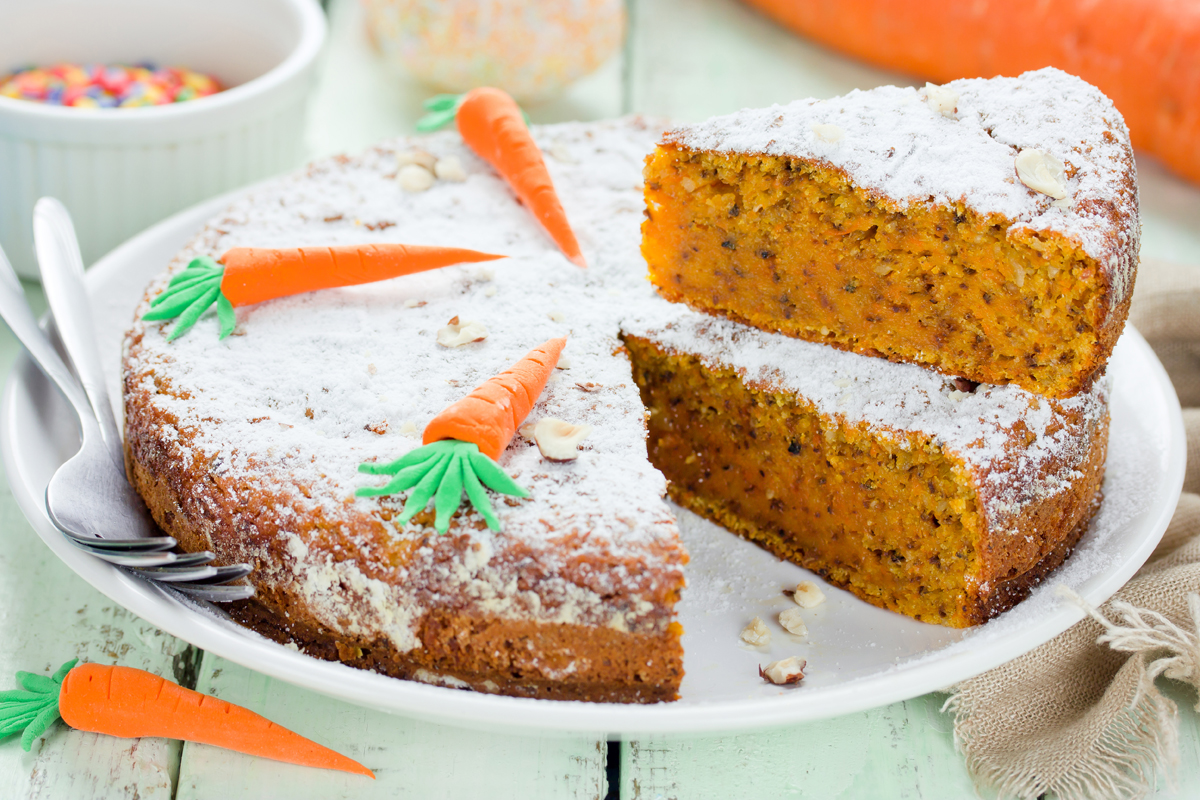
1143,54
491,123
462,443
130,703
246,275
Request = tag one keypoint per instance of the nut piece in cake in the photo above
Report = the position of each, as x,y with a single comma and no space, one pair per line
414,178
808,595
556,439
784,671
792,620
450,168
756,632
457,333
1041,172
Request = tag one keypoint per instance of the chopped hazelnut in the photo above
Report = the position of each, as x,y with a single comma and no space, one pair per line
414,178
1042,172
941,99
564,362
456,333
792,620
808,595
756,633
828,132
450,168
417,156
558,440
785,671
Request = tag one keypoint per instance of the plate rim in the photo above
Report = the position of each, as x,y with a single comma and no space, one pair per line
528,715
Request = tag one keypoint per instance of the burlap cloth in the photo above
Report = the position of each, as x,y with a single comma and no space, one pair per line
1081,717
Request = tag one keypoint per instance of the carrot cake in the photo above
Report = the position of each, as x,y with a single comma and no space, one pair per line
987,229
942,500
250,445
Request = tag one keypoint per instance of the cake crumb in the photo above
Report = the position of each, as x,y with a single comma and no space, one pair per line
784,671
557,316
410,303
456,333
808,595
489,291
792,621
756,633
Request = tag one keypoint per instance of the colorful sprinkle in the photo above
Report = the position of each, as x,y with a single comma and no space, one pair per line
107,86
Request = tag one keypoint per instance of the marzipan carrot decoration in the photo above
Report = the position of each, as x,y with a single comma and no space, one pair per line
462,443
130,703
493,126
246,275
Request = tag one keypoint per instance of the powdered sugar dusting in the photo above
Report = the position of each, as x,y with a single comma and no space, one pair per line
896,144
309,387
895,399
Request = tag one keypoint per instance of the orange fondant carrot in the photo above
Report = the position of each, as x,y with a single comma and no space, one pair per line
130,703
490,415
462,443
493,126
246,275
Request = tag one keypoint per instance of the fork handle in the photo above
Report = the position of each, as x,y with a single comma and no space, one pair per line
16,312
61,267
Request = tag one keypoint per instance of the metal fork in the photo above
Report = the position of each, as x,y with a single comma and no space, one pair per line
88,497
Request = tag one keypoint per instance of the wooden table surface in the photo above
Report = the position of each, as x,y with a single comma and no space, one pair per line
684,59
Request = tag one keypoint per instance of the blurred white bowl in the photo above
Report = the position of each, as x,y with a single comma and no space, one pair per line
120,170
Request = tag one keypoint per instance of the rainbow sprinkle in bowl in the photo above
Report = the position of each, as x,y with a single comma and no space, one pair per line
119,170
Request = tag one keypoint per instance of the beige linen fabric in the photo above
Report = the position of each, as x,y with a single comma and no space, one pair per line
1080,717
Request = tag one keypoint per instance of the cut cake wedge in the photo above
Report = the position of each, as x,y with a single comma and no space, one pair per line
886,479
901,223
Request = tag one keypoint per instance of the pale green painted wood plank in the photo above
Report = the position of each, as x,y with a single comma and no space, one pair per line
900,751
49,615
411,759
360,100
905,750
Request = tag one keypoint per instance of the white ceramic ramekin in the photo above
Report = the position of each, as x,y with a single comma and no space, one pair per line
120,170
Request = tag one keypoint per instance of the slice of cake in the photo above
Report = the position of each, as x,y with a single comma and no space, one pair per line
886,479
986,228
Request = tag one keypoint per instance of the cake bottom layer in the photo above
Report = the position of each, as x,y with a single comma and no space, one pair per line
895,519
456,648
493,655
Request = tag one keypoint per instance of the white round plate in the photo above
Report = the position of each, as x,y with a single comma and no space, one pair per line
858,656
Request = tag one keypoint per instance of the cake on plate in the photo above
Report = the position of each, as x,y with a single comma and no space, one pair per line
987,229
250,445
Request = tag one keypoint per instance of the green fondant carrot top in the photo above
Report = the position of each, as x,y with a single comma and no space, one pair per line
462,443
